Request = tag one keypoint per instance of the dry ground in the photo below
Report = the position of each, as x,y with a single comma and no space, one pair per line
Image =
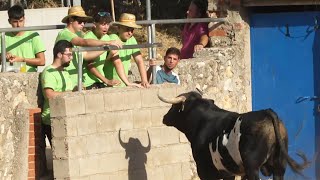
168,36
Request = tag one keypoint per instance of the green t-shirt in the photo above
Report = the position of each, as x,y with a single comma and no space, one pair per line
66,34
125,56
88,77
59,81
27,46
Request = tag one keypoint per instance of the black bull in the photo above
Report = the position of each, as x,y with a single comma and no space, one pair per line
227,144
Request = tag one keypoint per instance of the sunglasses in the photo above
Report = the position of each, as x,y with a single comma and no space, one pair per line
80,20
104,14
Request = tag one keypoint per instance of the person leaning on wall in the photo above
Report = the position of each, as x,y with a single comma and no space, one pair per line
195,35
23,46
94,77
75,21
54,80
164,73
117,68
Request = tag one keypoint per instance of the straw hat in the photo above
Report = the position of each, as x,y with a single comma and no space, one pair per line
128,20
76,11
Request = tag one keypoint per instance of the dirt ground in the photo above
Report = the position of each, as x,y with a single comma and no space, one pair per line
168,36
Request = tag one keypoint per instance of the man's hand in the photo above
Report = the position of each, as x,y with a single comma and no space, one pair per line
134,85
145,84
12,58
152,62
113,82
198,47
115,43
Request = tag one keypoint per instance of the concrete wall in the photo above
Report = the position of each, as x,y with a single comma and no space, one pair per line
86,142
41,17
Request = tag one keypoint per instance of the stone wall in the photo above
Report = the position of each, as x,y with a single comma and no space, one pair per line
18,93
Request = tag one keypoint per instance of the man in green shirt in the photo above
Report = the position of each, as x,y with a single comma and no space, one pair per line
75,21
119,68
23,46
54,80
93,77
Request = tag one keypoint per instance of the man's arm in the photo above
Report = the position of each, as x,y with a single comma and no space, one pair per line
50,93
142,70
120,70
78,41
39,60
96,73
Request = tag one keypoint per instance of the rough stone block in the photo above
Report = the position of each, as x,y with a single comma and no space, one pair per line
189,171
90,165
113,162
169,155
57,107
59,148
58,127
71,126
162,136
77,146
74,167
141,118
113,121
150,97
86,124
75,105
172,171
157,115
103,143
156,173
124,100
94,103
61,169
101,177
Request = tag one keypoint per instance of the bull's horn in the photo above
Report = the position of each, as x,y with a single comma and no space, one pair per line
175,100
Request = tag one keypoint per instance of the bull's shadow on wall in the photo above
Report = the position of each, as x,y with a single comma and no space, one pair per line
137,155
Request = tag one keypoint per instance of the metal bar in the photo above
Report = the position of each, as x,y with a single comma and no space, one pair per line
112,10
31,28
68,3
177,21
80,59
110,47
154,52
62,3
3,52
148,9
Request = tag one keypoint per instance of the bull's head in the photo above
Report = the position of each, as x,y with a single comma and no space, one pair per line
180,106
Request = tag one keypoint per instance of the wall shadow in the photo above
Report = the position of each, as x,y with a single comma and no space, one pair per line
137,155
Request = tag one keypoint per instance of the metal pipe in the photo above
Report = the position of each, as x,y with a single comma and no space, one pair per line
154,52
177,21
62,3
3,52
148,8
68,3
11,3
111,47
80,59
112,10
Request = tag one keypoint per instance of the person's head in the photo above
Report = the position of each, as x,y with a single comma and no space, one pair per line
172,58
16,16
198,9
126,26
62,51
76,18
101,23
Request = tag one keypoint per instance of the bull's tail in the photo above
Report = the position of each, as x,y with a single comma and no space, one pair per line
296,167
